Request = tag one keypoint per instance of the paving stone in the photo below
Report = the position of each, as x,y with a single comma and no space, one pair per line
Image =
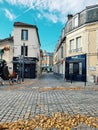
27,99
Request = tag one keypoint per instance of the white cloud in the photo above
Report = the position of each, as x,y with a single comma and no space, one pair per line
1,1
9,15
57,10
51,17
39,16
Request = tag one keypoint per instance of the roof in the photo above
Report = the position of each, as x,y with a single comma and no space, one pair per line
7,39
24,24
92,6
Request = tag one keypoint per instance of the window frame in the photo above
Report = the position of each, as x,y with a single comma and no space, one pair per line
71,46
26,50
78,43
76,21
24,34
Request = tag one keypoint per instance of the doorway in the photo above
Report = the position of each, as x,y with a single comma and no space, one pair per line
76,68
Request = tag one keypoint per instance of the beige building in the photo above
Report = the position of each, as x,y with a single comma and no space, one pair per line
59,57
6,46
47,61
81,45
23,55
27,48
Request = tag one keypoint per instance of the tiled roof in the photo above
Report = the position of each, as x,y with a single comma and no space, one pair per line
7,39
24,24
92,6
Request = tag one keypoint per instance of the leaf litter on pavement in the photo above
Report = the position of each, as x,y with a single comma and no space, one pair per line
59,121
45,89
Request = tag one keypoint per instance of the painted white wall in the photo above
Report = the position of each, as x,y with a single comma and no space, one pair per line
32,42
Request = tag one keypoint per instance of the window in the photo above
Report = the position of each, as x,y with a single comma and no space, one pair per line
76,21
24,35
80,68
71,68
62,52
78,44
76,68
71,47
25,49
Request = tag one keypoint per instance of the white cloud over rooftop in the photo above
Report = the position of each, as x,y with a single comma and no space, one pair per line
57,10
9,14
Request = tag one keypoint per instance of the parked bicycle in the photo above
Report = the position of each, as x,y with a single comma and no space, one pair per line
1,80
14,77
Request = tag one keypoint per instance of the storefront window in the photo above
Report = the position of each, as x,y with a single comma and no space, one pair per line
71,68
80,68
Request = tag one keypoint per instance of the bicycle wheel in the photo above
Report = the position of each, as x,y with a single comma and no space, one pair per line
19,81
11,82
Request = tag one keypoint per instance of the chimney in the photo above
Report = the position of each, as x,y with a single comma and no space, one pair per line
69,16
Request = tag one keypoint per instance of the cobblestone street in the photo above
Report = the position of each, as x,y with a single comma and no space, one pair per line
37,96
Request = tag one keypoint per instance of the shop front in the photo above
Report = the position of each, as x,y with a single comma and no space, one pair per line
75,68
25,67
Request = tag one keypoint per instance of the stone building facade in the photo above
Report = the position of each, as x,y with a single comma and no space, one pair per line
81,46
47,61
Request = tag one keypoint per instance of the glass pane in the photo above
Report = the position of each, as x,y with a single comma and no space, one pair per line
71,68
76,68
24,34
80,68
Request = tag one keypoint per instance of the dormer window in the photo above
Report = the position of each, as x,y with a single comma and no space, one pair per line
76,21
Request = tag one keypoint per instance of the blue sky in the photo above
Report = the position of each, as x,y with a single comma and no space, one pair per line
49,16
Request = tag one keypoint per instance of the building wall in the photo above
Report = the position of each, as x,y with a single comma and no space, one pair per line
92,50
59,62
8,55
85,26
32,60
32,42
47,61
72,36
89,44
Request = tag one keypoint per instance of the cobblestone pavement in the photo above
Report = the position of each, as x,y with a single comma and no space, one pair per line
23,101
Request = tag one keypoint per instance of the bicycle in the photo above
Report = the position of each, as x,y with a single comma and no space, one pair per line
13,79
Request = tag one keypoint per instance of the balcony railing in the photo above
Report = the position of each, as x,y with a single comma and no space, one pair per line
75,50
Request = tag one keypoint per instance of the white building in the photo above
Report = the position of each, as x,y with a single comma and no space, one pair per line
24,52
27,49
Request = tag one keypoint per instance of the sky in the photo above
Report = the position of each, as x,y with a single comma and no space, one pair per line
49,16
